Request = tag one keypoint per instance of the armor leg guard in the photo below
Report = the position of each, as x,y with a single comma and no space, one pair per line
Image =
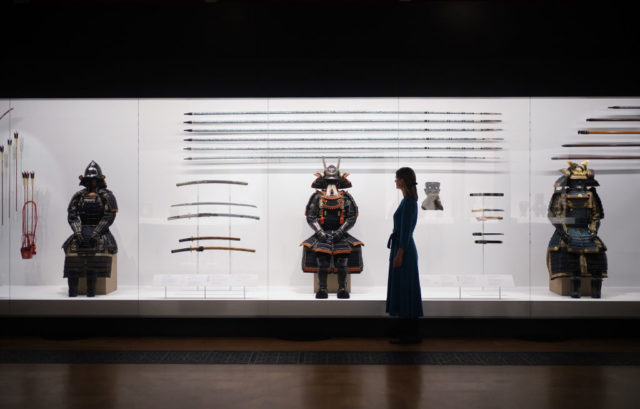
342,277
596,286
575,287
73,286
91,286
324,262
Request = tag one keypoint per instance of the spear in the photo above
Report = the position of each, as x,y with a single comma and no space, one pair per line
600,145
339,148
594,157
609,131
342,112
336,130
338,138
617,119
624,107
343,121
318,156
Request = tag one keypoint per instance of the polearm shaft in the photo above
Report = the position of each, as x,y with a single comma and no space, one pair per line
347,121
336,130
596,157
600,145
609,131
340,148
319,156
331,112
624,119
334,138
625,107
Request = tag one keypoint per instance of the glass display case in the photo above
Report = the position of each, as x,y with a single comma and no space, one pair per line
226,182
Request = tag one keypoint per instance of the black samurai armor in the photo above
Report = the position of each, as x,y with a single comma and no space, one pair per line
575,210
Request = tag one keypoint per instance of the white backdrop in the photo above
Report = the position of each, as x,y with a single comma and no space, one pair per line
139,144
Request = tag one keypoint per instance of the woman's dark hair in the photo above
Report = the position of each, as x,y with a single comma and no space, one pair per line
409,178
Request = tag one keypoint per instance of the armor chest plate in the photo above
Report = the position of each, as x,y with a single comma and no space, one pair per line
578,208
90,209
332,211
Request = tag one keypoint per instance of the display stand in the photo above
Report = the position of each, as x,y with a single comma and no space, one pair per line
562,286
104,285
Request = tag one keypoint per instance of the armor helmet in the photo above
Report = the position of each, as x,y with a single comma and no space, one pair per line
331,176
432,187
93,171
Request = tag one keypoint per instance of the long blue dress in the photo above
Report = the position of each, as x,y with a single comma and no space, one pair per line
404,298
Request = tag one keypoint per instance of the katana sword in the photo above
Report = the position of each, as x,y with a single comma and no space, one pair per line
595,157
341,148
624,107
3,115
208,238
600,145
194,215
204,182
342,112
338,138
486,194
335,130
487,210
487,234
213,204
202,248
348,121
609,131
318,156
619,119
484,218
488,241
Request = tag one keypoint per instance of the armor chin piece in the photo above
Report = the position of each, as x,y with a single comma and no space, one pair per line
92,172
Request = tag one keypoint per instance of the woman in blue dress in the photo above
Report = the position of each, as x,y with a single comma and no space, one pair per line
404,299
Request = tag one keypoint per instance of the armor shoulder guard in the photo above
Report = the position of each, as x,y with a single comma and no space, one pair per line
561,182
76,197
597,202
109,198
553,204
312,204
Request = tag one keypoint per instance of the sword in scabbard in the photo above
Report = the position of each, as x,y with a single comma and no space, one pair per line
15,142
486,234
9,152
213,204
203,182
202,248
194,215
318,156
486,194
488,241
334,130
485,218
320,112
487,210
208,238
615,119
624,107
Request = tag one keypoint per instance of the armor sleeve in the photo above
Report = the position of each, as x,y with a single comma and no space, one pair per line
72,213
313,212
110,210
554,211
598,211
350,212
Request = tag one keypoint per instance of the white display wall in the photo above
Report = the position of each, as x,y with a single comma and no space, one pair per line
139,145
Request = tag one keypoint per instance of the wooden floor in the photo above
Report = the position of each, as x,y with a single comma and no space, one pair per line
88,386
